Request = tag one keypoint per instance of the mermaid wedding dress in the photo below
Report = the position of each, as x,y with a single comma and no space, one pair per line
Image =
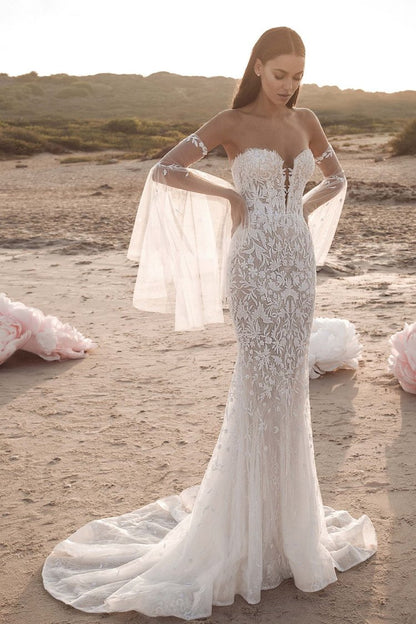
257,517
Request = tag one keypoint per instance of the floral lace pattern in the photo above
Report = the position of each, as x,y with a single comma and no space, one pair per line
271,270
194,138
326,154
271,289
166,168
257,516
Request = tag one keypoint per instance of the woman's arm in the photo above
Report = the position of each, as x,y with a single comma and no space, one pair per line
173,169
334,182
181,235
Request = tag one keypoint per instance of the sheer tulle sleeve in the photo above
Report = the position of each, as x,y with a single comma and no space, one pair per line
180,239
323,204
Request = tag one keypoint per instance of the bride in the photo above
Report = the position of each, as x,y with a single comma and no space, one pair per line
257,517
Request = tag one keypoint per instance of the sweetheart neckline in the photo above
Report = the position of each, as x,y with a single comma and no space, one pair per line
271,151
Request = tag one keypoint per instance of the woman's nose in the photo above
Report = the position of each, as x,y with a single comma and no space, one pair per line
288,83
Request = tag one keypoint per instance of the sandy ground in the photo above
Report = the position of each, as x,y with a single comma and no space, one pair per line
139,417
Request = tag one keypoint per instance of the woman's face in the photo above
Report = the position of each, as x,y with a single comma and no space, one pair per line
280,76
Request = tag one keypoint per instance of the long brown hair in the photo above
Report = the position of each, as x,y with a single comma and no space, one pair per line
272,43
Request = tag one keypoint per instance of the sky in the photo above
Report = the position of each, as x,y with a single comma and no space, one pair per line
356,44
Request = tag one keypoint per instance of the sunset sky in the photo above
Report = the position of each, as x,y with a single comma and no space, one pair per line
359,44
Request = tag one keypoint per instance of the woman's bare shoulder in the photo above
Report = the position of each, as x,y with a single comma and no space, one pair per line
229,116
223,123
307,117
317,138
219,129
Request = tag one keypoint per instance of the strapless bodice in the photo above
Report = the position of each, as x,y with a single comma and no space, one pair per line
262,178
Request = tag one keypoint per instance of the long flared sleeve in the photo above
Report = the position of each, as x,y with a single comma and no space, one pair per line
323,204
180,239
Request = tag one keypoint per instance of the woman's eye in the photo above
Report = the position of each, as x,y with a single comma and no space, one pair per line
281,78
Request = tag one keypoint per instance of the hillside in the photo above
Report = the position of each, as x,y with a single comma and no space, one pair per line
171,97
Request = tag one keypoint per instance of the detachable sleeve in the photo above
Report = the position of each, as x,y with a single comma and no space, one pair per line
180,238
323,204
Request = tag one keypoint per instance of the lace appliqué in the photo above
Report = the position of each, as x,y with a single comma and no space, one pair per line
194,138
197,142
333,181
271,278
326,154
260,494
166,168
272,191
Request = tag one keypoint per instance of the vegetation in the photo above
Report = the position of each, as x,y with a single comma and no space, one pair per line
144,115
175,98
405,141
143,138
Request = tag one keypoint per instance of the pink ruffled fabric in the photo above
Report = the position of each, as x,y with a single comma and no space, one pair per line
334,344
402,360
27,328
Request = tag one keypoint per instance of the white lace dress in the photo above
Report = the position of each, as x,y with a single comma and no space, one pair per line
257,517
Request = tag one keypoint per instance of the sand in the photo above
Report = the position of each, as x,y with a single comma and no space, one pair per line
138,418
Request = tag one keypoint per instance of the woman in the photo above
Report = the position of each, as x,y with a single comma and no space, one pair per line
257,517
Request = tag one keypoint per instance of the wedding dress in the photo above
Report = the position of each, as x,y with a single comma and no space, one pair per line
257,517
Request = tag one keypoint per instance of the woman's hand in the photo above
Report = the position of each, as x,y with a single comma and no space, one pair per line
238,210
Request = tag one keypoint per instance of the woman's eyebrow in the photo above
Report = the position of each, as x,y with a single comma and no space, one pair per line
285,72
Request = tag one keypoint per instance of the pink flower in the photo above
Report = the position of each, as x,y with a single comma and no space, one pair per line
402,360
26,328
12,336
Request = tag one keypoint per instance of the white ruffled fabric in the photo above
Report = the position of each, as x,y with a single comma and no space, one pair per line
27,328
402,360
175,557
334,344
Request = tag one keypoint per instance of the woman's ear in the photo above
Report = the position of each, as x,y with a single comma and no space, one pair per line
258,67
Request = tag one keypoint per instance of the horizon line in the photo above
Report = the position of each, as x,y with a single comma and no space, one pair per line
198,76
